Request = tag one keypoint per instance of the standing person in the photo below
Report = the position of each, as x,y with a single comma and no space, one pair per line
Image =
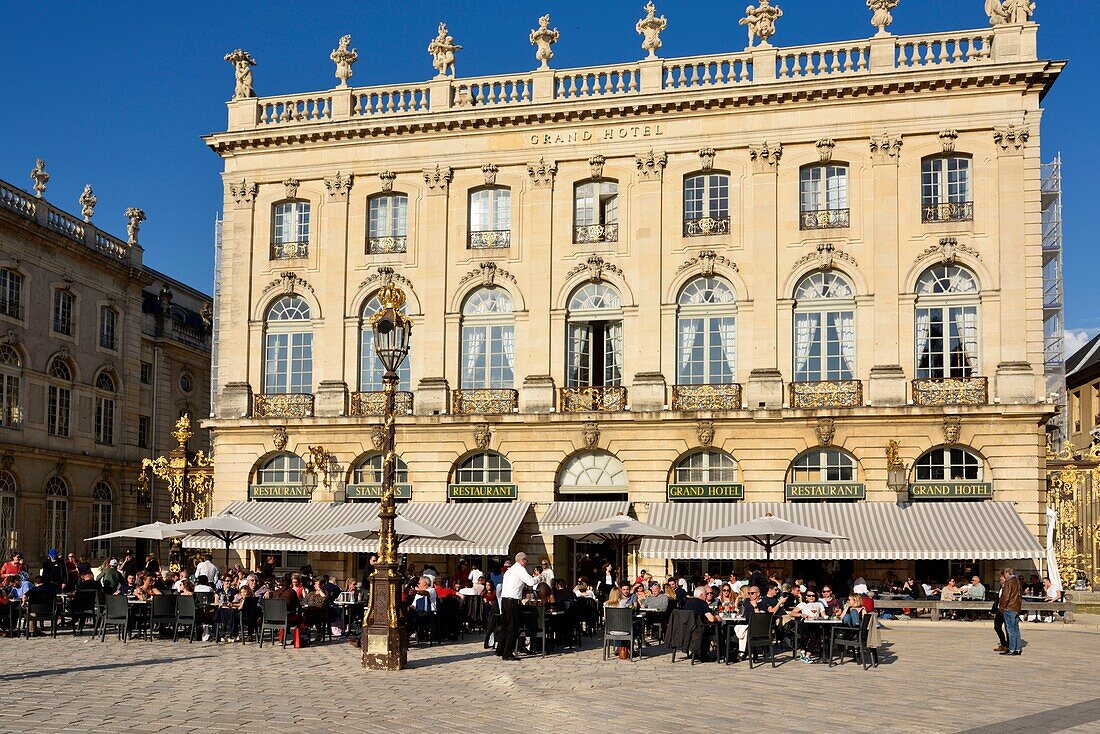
999,618
53,570
152,565
1011,602
208,569
515,583
111,579
129,564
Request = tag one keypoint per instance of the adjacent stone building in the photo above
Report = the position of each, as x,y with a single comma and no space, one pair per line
692,289
98,356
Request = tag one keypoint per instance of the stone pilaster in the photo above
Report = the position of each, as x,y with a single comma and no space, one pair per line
887,378
433,396
331,399
538,394
765,385
648,393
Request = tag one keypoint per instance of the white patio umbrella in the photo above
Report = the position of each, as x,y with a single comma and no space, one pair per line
153,531
621,531
228,528
768,532
404,527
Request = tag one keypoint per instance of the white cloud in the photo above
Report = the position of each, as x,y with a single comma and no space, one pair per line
1075,339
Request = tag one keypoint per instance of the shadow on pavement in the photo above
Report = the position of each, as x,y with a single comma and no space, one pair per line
1046,722
106,666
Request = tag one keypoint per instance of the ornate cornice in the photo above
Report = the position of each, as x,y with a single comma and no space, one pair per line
290,282
825,257
597,268
947,250
489,272
385,276
706,261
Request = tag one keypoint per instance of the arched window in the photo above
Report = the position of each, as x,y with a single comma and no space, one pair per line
281,479
824,328
11,293
11,380
706,204
108,328
949,464
490,218
706,467
823,466
386,223
593,472
102,518
290,229
706,333
105,408
946,321
9,487
371,370
369,470
288,347
59,397
595,336
484,468
945,189
488,353
57,514
824,196
596,212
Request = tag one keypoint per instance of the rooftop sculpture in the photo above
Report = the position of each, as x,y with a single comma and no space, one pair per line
442,48
543,37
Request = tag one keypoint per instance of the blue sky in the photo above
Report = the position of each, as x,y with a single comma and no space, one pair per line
117,94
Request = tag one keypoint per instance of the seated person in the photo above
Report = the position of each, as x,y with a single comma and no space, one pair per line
808,609
699,606
974,591
655,600
42,592
468,589
853,610
202,584
832,604
421,606
951,592
88,583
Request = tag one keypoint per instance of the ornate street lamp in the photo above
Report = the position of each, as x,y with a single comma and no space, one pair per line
896,472
190,478
384,642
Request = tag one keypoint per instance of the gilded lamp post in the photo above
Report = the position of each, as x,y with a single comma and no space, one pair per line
384,643
190,478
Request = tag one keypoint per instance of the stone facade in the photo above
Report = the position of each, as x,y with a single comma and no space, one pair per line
758,118
128,355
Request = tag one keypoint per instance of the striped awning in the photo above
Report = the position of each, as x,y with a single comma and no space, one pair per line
490,526
566,514
872,531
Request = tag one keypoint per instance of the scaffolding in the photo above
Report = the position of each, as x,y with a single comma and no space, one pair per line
215,324
1054,338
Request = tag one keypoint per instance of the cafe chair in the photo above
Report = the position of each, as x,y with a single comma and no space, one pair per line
761,636
163,612
276,619
619,627
40,612
117,615
82,607
685,634
249,617
473,613
186,616
857,640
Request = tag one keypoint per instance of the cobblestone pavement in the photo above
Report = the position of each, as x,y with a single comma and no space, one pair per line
934,678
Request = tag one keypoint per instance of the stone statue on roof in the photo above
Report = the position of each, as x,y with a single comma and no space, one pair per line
442,48
760,22
544,37
344,57
650,28
242,69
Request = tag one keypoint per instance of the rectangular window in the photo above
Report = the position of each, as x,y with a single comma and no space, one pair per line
945,190
947,342
7,525
288,362
11,413
146,373
63,312
388,216
57,411
108,320
707,350
488,356
292,222
101,525
104,420
144,423
11,294
824,346
57,522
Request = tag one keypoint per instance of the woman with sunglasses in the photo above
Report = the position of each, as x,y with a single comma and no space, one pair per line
810,635
727,601
832,605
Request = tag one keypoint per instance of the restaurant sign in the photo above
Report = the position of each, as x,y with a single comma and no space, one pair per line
279,492
374,491
951,491
482,492
826,491
706,492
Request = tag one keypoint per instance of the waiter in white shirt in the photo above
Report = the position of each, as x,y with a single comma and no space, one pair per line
515,582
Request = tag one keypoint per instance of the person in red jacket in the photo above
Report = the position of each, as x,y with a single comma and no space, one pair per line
14,567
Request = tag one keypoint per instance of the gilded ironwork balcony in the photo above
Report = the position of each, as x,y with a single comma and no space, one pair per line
374,403
290,250
827,394
962,211
587,233
282,405
386,245
706,397
825,219
493,401
706,226
951,391
491,239
592,399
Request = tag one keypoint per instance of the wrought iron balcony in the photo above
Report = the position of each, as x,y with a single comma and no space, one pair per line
592,399
493,401
290,250
706,226
826,219
951,391
706,397
827,394
587,233
962,211
282,405
374,403
491,239
386,245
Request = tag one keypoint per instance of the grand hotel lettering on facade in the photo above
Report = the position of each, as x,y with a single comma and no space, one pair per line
618,317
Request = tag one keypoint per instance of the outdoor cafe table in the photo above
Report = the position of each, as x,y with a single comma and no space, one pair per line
349,615
727,626
832,623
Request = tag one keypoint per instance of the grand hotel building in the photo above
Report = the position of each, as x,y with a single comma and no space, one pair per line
691,289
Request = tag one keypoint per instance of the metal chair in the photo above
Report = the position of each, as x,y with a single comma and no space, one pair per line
761,635
82,607
40,612
275,618
116,615
186,616
163,612
854,639
619,627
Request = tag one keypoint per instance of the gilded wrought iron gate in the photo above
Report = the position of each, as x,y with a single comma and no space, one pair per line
1073,492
